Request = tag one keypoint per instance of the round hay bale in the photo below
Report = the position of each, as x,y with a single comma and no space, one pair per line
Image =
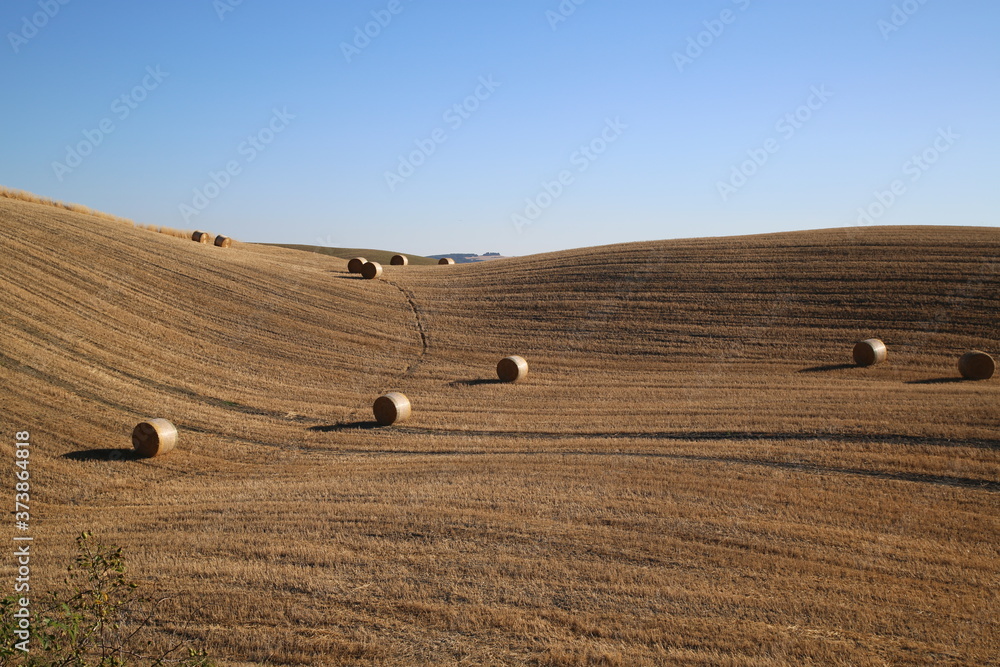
201,237
371,270
399,260
391,408
976,365
869,352
154,437
512,369
223,241
446,260
354,266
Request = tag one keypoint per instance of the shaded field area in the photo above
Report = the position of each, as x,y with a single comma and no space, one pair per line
693,472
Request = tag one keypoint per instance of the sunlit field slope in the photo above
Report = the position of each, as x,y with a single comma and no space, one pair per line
693,472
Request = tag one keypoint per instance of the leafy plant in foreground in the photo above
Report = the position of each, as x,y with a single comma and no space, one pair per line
100,620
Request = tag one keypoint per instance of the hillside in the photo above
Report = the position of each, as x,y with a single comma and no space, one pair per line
692,473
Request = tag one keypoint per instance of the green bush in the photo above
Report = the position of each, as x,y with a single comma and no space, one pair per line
100,620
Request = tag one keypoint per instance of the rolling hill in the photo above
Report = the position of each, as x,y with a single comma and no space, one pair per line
692,472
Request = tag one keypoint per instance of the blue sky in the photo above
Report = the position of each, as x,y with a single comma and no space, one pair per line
577,124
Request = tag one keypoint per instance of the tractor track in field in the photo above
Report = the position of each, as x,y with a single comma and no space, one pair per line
991,486
412,303
681,436
809,468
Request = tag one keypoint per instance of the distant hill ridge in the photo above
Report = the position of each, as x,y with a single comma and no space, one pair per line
470,257
383,256
380,256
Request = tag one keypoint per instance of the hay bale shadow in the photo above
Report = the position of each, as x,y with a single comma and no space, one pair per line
106,454
475,383
351,426
827,368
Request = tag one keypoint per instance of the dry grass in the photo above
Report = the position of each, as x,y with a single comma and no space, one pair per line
169,231
693,472
23,195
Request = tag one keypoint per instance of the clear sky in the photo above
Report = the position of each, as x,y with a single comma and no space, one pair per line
578,123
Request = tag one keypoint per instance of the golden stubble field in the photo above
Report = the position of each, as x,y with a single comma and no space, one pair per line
691,473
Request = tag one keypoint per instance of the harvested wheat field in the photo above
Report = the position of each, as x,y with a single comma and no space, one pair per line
694,471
